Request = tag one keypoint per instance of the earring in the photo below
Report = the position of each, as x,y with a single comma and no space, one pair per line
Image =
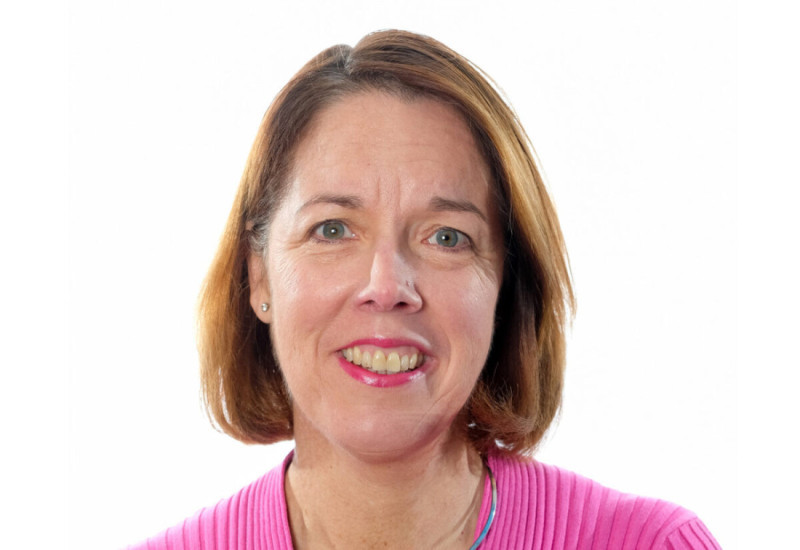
265,307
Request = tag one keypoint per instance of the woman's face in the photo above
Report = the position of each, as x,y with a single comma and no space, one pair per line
386,250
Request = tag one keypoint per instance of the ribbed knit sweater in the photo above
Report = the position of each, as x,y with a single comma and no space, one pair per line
538,507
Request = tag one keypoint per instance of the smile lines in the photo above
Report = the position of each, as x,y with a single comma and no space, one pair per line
380,363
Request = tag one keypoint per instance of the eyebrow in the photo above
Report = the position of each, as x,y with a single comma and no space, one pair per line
437,204
345,201
441,204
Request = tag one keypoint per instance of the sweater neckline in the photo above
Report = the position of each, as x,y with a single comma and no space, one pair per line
483,514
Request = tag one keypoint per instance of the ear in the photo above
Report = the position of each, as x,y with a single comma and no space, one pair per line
259,287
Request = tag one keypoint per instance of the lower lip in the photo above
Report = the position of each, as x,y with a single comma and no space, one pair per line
381,380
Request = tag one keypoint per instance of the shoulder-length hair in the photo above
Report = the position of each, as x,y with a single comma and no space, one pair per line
519,390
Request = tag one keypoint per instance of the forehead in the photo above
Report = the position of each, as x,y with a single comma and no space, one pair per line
375,141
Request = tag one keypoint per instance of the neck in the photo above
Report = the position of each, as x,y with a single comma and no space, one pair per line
428,499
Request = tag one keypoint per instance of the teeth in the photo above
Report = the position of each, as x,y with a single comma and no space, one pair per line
379,362
393,363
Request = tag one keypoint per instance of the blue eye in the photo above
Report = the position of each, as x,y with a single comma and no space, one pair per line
332,230
449,238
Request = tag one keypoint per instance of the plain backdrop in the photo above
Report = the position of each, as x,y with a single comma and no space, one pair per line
631,106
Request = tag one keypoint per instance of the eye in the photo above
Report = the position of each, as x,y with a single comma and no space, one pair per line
449,238
332,230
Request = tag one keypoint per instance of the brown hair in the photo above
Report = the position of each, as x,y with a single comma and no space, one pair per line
519,390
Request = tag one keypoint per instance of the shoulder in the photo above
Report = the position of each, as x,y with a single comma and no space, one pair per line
255,517
561,509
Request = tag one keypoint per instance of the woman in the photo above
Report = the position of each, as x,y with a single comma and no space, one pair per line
391,292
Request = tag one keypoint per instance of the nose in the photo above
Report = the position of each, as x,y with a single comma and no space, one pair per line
391,285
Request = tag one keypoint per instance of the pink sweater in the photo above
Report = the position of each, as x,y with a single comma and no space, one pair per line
538,507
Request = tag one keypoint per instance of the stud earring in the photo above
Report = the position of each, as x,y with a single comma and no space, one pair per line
265,307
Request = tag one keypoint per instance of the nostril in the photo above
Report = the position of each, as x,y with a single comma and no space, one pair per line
402,297
390,285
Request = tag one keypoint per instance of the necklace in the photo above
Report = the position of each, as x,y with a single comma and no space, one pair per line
492,511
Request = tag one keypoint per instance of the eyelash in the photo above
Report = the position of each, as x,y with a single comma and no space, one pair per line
467,241
316,231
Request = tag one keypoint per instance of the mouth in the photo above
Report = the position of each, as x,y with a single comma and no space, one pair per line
384,361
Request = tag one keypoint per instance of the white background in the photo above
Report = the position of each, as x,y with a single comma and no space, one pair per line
633,109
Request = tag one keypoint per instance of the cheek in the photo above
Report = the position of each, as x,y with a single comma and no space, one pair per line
307,299
469,305
483,291
305,281
284,279
289,300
